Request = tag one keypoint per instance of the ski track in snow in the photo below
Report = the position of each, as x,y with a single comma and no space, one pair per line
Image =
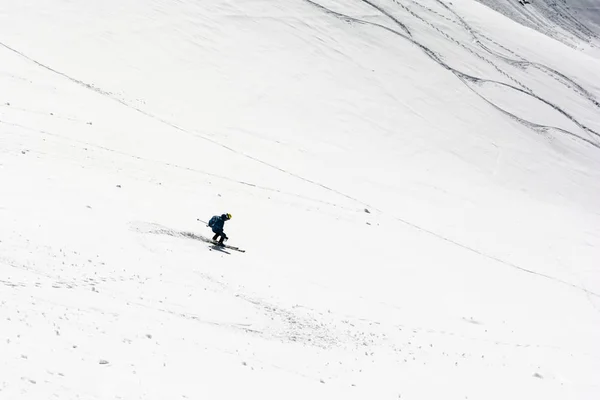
466,78
176,127
176,166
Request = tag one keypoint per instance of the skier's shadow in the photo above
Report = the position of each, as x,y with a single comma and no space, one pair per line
219,248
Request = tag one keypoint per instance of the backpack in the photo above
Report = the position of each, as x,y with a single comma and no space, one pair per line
213,221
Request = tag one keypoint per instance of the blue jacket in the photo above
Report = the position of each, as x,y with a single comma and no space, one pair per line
218,223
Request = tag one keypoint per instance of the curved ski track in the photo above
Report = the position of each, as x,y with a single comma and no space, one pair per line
466,78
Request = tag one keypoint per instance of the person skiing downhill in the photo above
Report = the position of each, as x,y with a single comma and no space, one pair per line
217,223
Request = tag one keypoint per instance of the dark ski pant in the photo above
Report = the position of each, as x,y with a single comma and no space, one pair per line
219,232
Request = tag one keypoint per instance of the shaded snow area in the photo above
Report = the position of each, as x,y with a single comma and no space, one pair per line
416,185
570,21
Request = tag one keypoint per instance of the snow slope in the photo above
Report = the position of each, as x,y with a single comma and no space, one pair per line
571,21
417,186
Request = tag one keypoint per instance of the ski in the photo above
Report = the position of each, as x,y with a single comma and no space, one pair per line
226,246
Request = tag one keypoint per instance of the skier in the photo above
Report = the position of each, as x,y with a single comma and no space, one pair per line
217,224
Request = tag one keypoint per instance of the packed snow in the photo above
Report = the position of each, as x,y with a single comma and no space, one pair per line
416,185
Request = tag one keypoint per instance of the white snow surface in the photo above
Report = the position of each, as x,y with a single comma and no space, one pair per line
416,185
